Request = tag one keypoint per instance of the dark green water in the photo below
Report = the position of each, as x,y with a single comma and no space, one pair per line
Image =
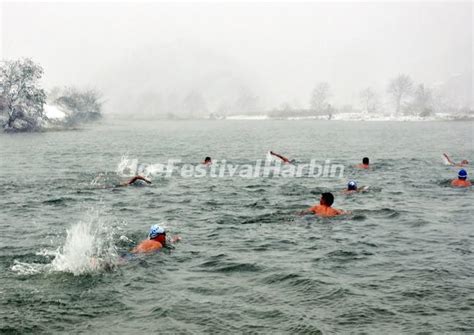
402,262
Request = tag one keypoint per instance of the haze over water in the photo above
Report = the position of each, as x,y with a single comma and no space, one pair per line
147,58
401,262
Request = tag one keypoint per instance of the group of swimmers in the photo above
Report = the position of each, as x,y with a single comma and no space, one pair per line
325,209
157,235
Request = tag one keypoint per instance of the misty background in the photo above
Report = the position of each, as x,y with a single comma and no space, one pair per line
152,59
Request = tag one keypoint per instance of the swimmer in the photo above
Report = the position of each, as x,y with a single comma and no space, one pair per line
283,158
352,188
365,163
156,241
135,179
324,208
207,161
462,180
464,162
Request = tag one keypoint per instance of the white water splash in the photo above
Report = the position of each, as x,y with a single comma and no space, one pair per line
445,160
88,248
98,179
127,167
270,158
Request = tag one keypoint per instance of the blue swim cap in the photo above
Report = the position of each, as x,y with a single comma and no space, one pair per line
156,230
352,185
462,174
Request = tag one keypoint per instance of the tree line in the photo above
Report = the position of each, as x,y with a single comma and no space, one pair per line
402,97
22,100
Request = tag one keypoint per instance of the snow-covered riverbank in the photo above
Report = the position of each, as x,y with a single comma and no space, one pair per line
358,117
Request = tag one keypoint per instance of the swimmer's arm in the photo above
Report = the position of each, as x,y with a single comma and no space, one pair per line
286,160
310,210
175,239
342,212
449,159
363,189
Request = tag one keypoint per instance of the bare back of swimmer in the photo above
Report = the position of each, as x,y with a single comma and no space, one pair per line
135,179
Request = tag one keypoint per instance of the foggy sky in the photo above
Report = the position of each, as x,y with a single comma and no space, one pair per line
277,52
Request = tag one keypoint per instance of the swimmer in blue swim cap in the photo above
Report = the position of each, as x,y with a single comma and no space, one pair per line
462,180
353,188
156,240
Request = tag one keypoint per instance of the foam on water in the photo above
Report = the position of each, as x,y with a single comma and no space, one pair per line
26,269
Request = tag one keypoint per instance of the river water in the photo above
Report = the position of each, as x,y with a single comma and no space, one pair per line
401,262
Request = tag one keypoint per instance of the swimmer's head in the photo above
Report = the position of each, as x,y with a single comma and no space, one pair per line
464,162
157,233
207,160
365,160
352,186
462,174
326,199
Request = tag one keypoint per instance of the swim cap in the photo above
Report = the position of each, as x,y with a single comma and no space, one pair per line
352,185
462,174
156,230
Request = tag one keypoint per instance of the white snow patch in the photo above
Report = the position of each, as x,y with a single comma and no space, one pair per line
247,117
53,112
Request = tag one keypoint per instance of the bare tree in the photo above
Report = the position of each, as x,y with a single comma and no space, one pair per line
422,101
194,104
20,94
370,100
246,102
400,88
319,98
81,105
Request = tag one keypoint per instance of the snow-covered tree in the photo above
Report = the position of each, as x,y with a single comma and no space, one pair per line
370,100
422,103
320,97
194,104
400,88
22,98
